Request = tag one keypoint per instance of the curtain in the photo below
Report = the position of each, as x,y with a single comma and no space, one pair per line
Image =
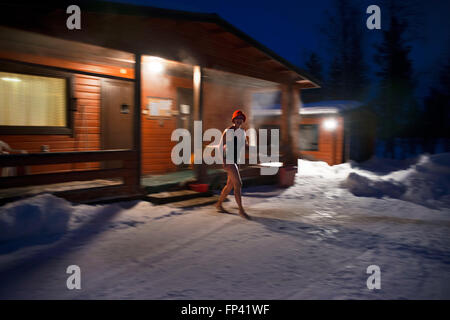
28,100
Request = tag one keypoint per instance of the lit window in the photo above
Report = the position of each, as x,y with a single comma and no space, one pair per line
32,101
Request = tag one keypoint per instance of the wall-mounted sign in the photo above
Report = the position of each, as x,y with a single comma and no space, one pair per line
158,107
185,108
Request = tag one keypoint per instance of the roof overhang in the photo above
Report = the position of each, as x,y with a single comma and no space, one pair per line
193,38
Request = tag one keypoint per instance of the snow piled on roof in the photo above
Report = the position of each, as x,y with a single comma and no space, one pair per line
320,107
329,106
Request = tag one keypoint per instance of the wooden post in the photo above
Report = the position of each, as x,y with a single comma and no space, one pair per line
137,120
290,121
200,169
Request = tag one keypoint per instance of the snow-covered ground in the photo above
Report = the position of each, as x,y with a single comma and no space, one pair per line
314,240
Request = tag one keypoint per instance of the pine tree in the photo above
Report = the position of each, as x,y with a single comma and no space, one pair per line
347,69
436,117
314,67
396,105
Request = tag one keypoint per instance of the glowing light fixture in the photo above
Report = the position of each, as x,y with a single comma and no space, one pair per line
330,124
155,64
123,71
11,79
197,75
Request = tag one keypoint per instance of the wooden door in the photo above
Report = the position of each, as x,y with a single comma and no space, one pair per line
116,116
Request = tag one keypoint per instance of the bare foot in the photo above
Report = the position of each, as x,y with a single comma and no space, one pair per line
244,215
220,208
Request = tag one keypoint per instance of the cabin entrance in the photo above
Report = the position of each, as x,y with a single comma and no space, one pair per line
116,116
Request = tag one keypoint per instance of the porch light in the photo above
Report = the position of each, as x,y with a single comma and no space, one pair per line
330,124
155,64
11,79
197,75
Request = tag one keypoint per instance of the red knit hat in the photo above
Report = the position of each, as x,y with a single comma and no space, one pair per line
238,113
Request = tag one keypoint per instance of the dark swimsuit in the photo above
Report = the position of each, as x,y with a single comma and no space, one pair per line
235,156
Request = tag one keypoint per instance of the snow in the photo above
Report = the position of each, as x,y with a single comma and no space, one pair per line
426,182
314,240
39,216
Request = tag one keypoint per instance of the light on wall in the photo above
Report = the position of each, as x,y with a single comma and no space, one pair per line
154,64
197,75
330,124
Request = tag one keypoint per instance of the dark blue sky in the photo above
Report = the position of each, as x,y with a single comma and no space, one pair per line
291,27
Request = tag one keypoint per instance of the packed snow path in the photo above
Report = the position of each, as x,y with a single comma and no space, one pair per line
312,241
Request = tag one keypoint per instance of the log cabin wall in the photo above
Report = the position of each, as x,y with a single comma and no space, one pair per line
219,102
86,129
86,119
157,131
326,139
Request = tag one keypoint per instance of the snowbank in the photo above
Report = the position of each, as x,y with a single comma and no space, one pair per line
38,216
46,215
424,180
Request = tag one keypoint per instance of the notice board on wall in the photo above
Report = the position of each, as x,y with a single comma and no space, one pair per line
159,107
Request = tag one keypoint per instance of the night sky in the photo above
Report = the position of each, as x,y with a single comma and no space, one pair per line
291,28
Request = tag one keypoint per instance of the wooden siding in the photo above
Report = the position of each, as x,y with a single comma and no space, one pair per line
326,140
156,131
67,64
86,129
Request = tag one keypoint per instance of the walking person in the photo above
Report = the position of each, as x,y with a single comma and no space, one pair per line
234,180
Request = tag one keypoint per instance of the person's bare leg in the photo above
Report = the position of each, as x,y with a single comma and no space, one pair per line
237,184
225,191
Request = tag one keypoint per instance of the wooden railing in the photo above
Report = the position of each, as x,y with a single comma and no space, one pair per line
128,171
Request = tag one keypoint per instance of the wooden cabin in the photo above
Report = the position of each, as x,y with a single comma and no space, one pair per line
102,102
330,131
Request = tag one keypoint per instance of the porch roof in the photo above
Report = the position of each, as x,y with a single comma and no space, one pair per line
194,38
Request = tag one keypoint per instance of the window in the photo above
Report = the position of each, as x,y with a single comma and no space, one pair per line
34,101
309,137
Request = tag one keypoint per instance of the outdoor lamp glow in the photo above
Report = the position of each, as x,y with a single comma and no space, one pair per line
155,64
330,124
197,75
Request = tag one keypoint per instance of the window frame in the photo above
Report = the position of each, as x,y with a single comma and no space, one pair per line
317,126
38,70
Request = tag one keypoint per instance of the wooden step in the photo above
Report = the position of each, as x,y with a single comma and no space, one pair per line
173,196
196,202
